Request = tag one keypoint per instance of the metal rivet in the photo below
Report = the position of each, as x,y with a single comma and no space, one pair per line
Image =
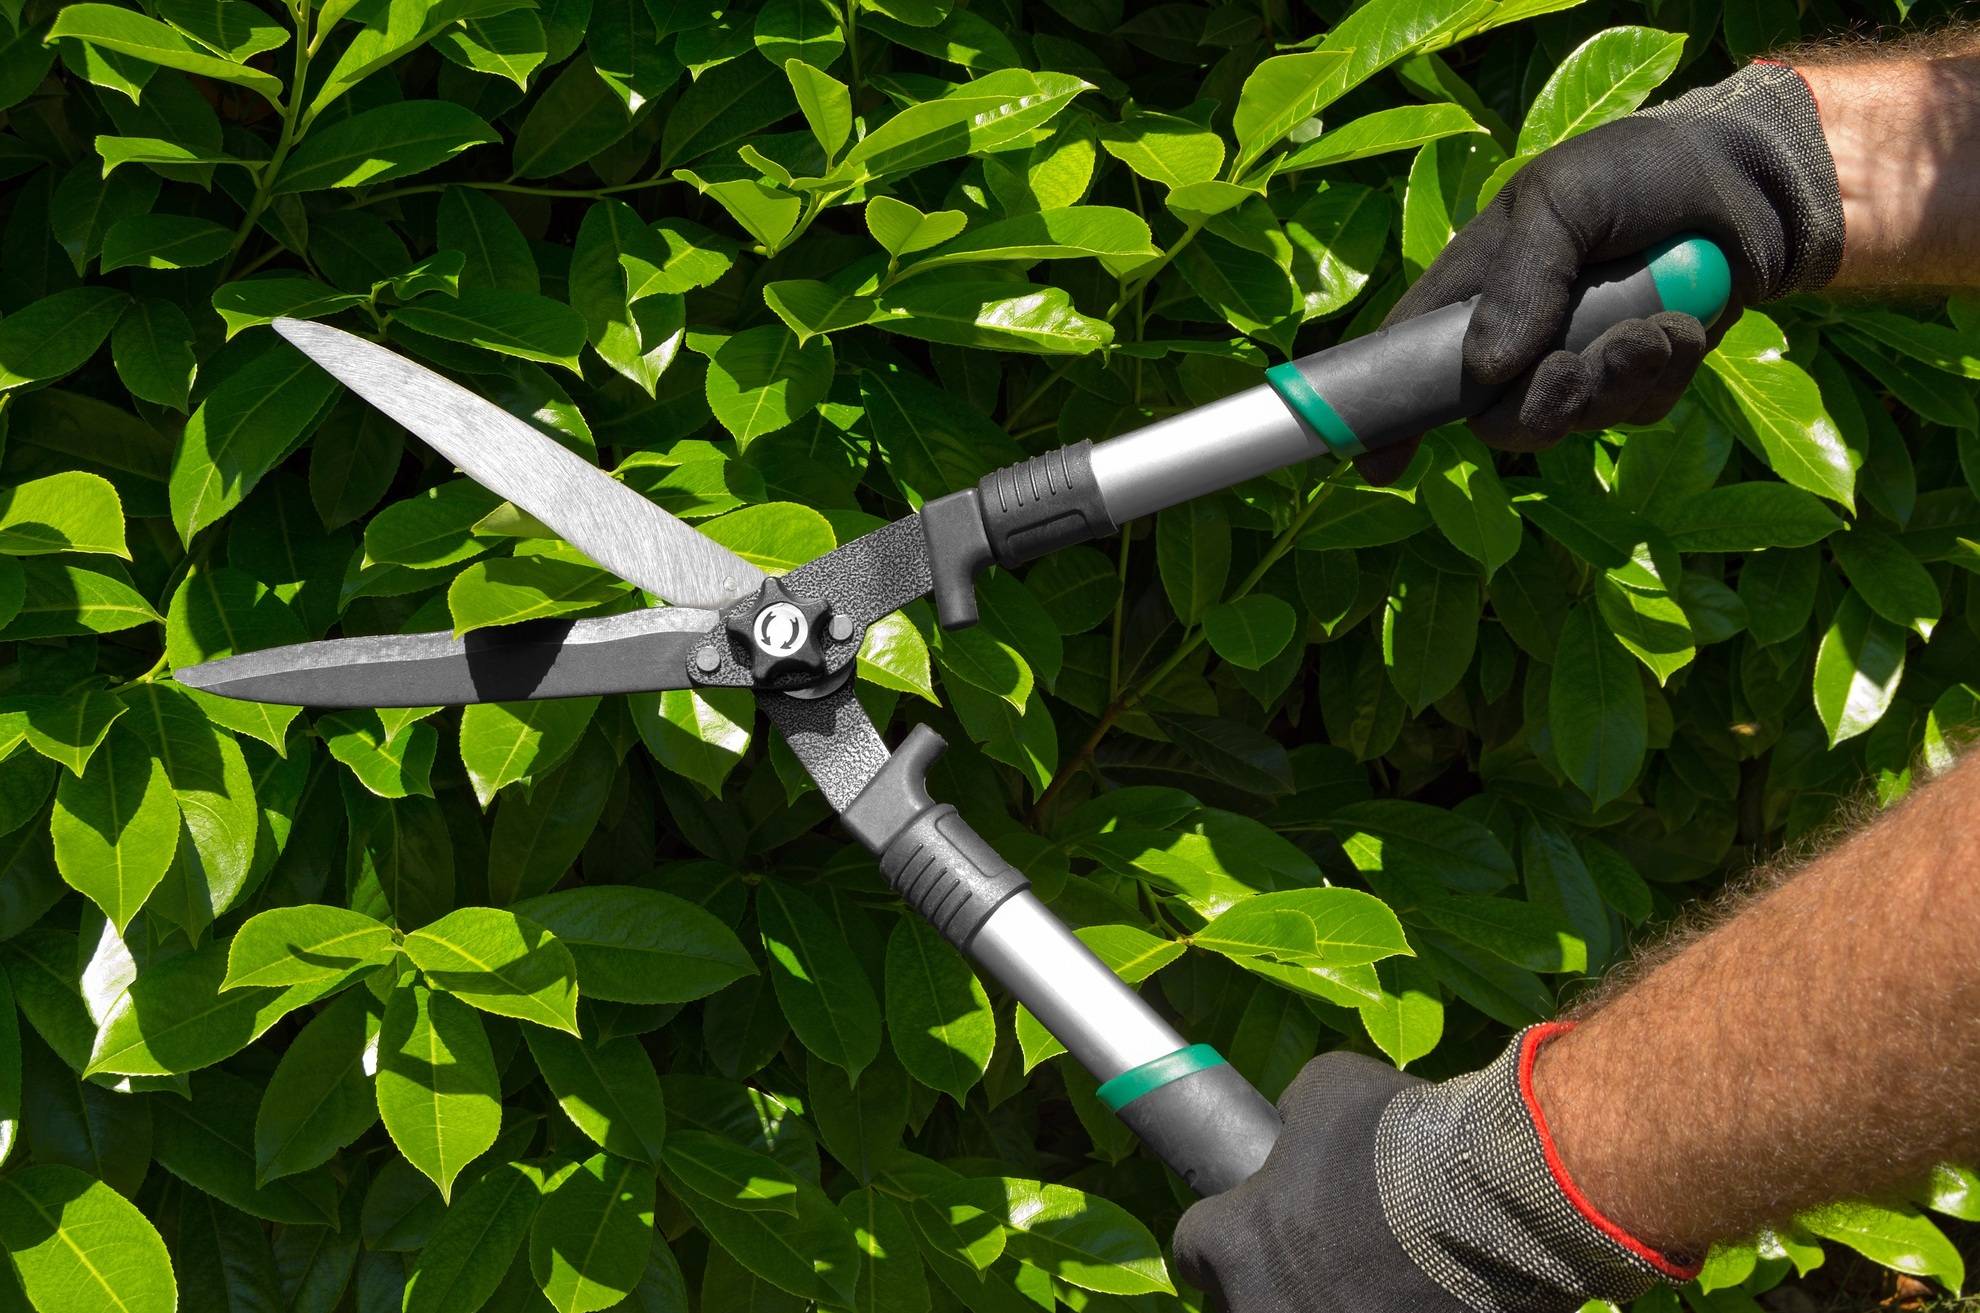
841,628
707,660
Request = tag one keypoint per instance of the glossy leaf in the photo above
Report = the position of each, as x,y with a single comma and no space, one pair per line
438,1092
501,963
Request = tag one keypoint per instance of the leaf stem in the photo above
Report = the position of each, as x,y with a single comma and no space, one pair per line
292,131
517,188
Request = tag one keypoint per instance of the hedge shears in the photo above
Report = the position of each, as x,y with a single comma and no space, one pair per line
792,639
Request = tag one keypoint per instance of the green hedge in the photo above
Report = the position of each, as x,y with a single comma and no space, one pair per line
588,1001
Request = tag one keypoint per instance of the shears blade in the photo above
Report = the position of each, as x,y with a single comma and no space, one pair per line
588,508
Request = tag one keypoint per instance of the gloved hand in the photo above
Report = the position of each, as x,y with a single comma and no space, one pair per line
1743,162
1387,1194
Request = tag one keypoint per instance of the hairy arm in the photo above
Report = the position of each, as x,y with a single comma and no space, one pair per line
1903,124
1824,1041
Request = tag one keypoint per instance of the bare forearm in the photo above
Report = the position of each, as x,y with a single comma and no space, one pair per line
1904,129
1823,1042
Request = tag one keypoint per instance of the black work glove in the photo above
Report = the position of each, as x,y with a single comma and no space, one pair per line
1743,162
1387,1194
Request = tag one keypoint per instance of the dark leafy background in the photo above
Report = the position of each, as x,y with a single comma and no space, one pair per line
585,1004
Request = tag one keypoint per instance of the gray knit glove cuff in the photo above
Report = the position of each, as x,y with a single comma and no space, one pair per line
1475,1193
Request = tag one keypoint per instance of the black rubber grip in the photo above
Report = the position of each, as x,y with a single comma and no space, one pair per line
1396,383
1211,1127
928,852
1035,507
1016,514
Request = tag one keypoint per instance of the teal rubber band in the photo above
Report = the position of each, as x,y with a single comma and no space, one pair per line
1691,274
1130,1085
1312,409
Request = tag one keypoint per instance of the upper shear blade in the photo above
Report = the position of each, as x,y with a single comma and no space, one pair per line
588,508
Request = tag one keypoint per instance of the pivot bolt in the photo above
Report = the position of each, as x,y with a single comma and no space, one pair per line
841,628
707,660
780,631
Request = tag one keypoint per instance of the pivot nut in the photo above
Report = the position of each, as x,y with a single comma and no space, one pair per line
780,632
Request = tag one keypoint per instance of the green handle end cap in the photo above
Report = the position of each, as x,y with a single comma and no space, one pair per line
1692,275
1130,1085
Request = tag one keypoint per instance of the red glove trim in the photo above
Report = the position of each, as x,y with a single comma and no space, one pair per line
1529,1054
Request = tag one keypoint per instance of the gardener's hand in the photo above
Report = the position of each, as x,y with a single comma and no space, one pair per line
1743,162
1386,1194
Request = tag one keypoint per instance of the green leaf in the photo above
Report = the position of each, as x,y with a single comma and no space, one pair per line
588,1244
820,984
1378,133
575,118
126,32
1746,517
378,145
616,259
774,536
498,255
500,963
1307,927
514,323
68,512
1279,95
320,1096
698,733
1857,669
1081,1239
1175,152
812,1255
513,589
1645,618
438,1092
635,945
1604,78
1777,410
1467,501
1899,1237
1515,931
305,944
165,157
627,55
152,347
1338,235
163,241
507,45
467,1255
57,334
207,1141
721,1170
1193,551
116,826
1595,708
1429,629
935,445
763,379
248,423
938,1014
392,761
1250,631
175,1018
268,297
608,1089
505,743
1101,231
825,102
78,1246
59,599
973,118
1889,579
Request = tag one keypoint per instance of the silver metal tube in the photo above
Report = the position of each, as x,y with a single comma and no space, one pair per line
1241,437
1103,1024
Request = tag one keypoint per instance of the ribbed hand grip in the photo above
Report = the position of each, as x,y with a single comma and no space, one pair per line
1037,506
945,871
